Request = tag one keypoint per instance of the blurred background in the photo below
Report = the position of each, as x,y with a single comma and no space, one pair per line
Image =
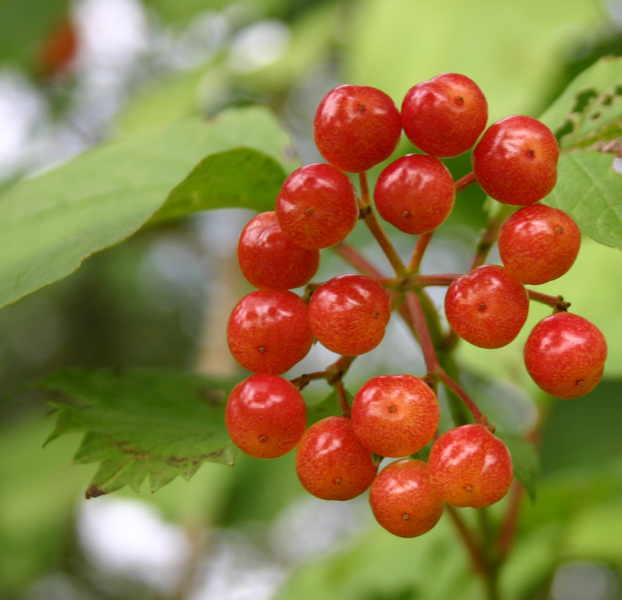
75,74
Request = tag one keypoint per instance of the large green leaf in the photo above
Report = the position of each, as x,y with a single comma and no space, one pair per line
587,119
49,224
590,108
241,177
590,189
141,424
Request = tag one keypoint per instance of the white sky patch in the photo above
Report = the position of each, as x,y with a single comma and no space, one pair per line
258,45
129,538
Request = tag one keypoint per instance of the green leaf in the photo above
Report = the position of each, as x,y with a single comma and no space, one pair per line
590,108
24,23
49,224
590,189
525,461
587,119
141,424
242,177
327,406
513,51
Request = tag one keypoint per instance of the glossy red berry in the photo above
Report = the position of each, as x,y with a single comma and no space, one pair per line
565,355
487,307
539,243
469,466
356,127
317,206
515,162
349,314
331,463
265,416
269,259
395,415
403,500
445,115
415,193
269,331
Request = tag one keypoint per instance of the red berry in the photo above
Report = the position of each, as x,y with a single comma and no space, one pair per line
515,162
487,307
356,127
403,500
469,466
331,463
269,259
317,206
269,332
395,415
349,313
565,355
539,243
265,416
415,193
445,115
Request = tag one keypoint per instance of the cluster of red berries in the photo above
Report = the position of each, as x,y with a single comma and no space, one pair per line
271,329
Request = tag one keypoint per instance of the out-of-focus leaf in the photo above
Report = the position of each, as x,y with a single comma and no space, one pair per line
25,23
514,52
383,566
525,461
141,424
582,432
328,406
49,224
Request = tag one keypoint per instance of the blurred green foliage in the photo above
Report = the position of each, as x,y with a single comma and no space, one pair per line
123,308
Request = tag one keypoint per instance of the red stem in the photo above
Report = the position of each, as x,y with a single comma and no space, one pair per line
557,302
376,229
456,388
477,558
465,181
506,537
355,259
419,251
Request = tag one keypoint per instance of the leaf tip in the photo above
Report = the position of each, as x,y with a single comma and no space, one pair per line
94,491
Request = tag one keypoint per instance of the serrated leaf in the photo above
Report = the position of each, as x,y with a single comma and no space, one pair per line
589,110
51,223
525,461
590,190
141,424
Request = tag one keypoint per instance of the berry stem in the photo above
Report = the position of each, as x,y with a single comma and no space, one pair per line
435,370
456,388
333,373
374,226
440,279
475,553
343,398
355,259
506,536
489,235
557,302
465,181
419,251
420,325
